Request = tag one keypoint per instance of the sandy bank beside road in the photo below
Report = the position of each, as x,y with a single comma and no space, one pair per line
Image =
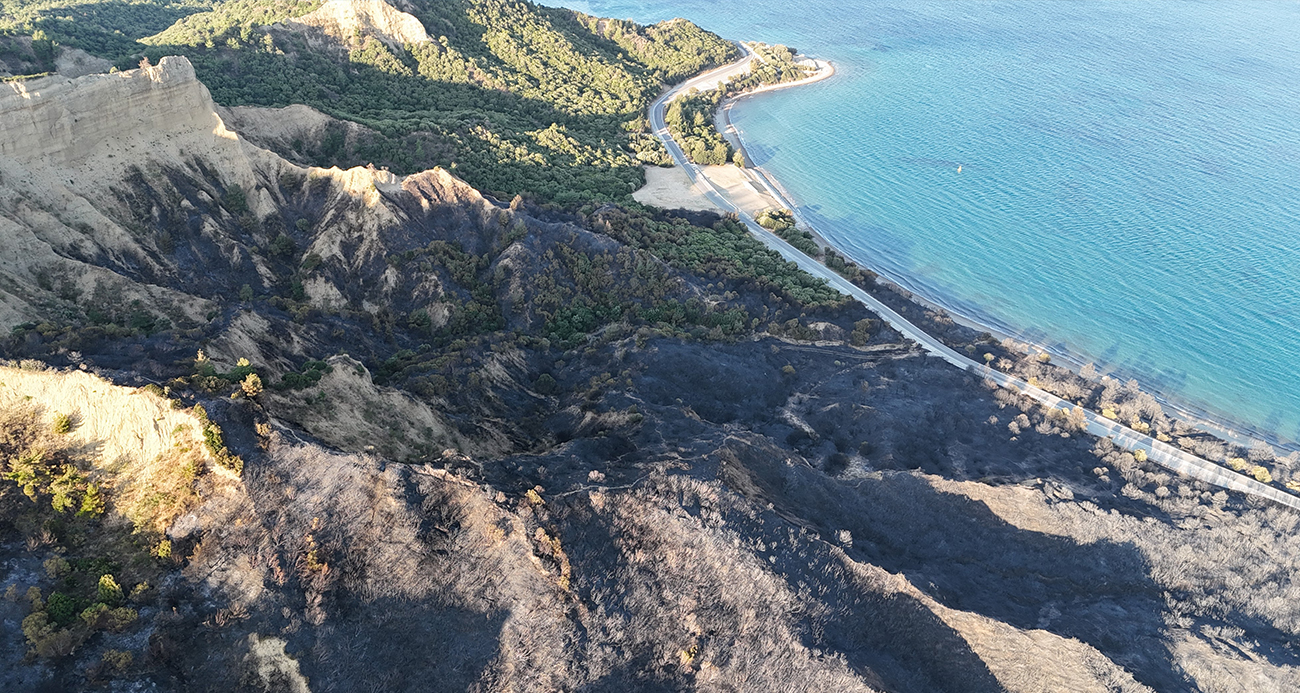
741,188
671,188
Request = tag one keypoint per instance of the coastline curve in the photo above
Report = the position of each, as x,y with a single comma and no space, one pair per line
1126,438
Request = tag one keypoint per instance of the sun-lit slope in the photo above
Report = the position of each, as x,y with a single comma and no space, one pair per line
345,19
126,427
66,144
130,209
122,185
144,450
518,98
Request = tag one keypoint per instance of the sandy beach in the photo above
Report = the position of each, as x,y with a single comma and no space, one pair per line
747,188
671,188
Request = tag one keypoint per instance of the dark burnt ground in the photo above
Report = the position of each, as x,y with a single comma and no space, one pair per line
834,447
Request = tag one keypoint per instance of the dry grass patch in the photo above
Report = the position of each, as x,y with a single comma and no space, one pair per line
138,455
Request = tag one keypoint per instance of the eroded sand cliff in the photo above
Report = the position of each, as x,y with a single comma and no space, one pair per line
344,20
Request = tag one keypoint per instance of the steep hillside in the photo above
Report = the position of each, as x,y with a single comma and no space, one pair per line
96,475
204,241
518,98
59,137
321,429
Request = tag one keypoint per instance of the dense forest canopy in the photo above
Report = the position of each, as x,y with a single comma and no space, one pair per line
106,29
516,98
690,119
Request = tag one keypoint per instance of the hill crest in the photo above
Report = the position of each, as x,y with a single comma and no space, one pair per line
344,20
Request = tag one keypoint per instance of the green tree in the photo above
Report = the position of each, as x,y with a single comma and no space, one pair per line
108,591
43,48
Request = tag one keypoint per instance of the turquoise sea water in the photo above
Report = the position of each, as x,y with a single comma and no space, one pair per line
1130,172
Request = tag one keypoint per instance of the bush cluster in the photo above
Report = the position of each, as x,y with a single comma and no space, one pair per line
690,120
215,442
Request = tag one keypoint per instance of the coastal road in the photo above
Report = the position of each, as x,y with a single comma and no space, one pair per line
1156,451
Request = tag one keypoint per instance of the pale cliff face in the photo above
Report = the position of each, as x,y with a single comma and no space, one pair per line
70,122
115,189
65,147
94,170
344,19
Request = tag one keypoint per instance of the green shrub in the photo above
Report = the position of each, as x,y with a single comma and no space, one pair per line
67,489
282,246
28,470
119,619
215,443
95,614
92,503
251,385
57,567
234,200
546,384
141,590
848,270
100,616
776,219
212,438
116,661
36,626
62,423
108,590
862,330
311,373
61,608
47,639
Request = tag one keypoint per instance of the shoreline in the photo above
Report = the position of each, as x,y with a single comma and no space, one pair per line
1219,425
1157,451
825,70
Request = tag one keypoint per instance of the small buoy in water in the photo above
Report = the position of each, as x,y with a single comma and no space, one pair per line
958,168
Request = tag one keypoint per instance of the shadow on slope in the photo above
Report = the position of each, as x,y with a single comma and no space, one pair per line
967,558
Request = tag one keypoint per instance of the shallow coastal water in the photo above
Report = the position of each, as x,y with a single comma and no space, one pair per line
1129,183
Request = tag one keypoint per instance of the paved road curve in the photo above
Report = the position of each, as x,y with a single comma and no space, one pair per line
1161,453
